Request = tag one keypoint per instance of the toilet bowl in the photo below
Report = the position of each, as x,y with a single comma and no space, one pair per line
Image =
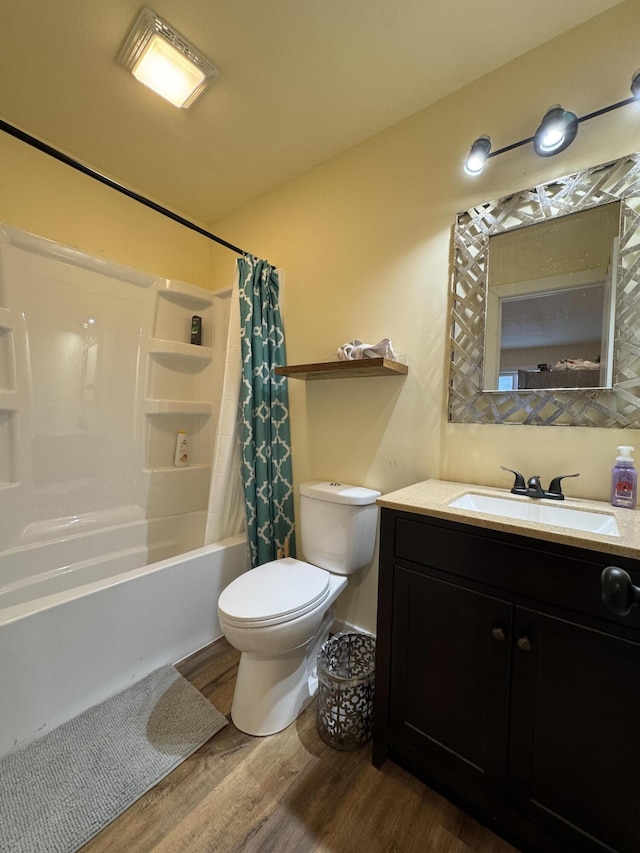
279,614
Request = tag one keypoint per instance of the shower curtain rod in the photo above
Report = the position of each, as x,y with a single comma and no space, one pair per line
64,158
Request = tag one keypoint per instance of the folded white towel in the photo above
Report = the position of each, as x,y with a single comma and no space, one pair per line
576,364
356,350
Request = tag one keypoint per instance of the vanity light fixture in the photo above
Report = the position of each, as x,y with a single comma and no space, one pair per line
480,149
557,131
165,61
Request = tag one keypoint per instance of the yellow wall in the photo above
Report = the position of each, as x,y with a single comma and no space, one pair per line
45,197
365,240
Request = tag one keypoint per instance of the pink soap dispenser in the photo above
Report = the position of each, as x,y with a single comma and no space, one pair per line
624,479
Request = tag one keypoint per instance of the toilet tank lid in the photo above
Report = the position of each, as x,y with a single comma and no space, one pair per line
339,493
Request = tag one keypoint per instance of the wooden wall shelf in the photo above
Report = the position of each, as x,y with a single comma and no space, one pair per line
344,369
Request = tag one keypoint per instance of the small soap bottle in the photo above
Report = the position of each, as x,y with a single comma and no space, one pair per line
196,330
624,479
181,459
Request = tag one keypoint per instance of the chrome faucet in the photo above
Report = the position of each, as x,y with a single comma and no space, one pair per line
533,488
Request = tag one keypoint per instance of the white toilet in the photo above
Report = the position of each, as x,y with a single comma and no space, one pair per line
279,614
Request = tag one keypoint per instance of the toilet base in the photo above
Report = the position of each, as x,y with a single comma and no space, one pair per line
272,691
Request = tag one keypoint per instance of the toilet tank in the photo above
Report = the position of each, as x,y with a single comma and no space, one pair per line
338,525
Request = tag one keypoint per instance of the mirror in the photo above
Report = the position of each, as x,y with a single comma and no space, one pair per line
545,324
549,303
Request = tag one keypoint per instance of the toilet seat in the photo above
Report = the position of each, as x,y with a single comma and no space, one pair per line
273,593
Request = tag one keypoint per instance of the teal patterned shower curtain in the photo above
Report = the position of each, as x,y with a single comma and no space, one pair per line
264,414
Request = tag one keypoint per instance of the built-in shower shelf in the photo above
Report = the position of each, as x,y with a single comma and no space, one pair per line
177,407
344,369
169,469
159,346
187,295
5,319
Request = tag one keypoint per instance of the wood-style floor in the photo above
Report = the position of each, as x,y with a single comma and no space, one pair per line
288,793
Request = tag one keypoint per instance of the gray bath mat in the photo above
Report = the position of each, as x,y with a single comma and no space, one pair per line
58,792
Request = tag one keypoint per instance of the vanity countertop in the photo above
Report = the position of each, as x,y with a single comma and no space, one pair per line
432,498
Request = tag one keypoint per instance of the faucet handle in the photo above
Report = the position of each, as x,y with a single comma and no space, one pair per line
555,488
519,482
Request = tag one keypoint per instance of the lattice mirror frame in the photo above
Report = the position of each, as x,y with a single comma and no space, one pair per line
618,406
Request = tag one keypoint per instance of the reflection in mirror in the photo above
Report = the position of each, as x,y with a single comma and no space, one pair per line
528,293
550,303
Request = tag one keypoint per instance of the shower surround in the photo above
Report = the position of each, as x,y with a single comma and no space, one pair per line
104,574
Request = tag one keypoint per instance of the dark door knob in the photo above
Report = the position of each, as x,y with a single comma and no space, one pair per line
524,643
619,594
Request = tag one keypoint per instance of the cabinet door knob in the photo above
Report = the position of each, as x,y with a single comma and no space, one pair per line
619,594
524,644
497,634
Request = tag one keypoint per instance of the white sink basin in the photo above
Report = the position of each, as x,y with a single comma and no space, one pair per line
529,509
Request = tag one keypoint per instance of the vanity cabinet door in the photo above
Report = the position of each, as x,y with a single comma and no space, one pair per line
575,723
450,675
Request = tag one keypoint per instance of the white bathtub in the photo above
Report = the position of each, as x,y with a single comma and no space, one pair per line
76,628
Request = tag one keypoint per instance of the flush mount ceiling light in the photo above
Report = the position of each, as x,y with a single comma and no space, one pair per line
557,131
165,61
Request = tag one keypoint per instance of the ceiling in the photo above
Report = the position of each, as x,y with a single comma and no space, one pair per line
300,82
559,318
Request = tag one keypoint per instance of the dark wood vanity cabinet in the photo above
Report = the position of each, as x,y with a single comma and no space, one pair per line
444,662
574,753
503,681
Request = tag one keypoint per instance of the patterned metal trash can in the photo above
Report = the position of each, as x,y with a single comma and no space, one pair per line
346,665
